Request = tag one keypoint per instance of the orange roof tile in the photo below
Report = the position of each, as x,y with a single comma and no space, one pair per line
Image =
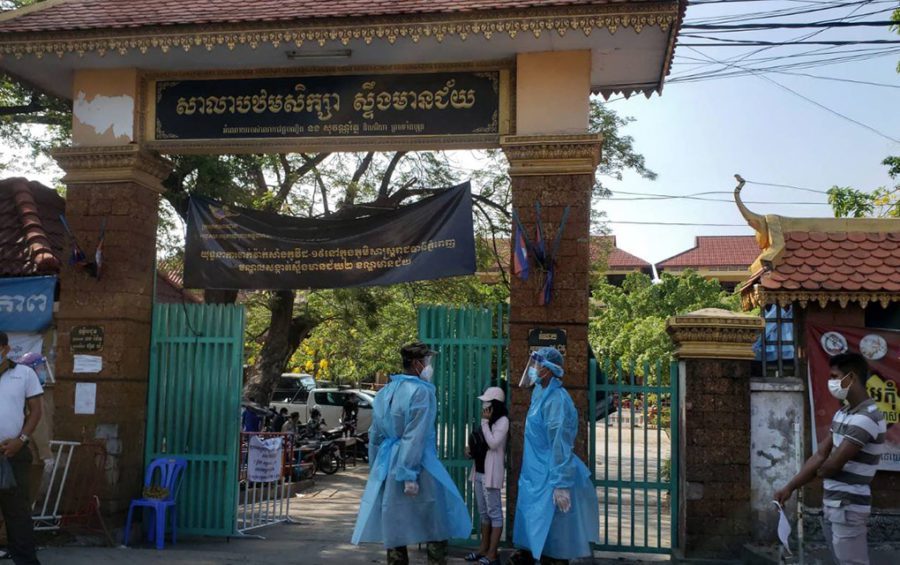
31,235
733,252
131,14
836,261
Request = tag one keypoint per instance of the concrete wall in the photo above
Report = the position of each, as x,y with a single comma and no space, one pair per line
776,424
542,107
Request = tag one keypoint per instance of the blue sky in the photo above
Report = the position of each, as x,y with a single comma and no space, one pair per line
697,135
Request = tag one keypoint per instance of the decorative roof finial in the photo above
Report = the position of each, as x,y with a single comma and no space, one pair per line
756,221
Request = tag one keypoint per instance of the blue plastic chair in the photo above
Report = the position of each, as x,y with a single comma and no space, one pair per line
170,473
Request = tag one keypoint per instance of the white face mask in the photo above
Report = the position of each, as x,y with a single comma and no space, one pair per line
486,405
533,375
837,390
427,373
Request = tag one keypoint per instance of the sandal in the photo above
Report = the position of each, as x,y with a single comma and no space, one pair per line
487,561
472,557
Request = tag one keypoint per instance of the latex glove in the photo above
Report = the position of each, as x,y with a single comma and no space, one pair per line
411,488
562,499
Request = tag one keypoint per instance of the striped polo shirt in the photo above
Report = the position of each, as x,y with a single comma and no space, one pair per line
865,426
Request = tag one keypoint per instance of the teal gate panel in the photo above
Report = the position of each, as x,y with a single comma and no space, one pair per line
196,377
634,455
472,344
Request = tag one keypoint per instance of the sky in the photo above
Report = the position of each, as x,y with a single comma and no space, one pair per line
697,135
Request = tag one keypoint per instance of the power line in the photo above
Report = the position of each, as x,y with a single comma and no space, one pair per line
722,200
786,25
676,224
810,100
787,186
757,43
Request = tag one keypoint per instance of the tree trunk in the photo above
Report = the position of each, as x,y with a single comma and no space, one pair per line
217,296
284,336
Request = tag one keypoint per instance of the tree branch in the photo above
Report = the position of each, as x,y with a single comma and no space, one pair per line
492,204
493,228
324,191
389,174
353,187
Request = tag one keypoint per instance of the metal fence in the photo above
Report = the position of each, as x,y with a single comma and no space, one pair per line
50,515
265,504
634,453
472,343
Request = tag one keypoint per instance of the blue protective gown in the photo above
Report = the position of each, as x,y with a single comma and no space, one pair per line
402,447
548,463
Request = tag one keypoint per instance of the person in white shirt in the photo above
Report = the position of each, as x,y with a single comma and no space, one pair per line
19,389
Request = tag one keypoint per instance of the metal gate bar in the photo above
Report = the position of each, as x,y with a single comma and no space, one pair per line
473,343
193,411
636,407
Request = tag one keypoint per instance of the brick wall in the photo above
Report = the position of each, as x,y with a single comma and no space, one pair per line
716,458
121,302
569,309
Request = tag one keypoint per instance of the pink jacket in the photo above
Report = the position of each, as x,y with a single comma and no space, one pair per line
494,461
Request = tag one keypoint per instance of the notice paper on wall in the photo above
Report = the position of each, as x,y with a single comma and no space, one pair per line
85,398
88,364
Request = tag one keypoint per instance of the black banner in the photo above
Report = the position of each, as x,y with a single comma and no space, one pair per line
237,248
445,103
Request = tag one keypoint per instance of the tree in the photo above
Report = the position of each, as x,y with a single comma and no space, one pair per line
629,322
883,202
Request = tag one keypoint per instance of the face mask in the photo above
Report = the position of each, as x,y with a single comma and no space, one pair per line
836,390
486,405
427,373
533,375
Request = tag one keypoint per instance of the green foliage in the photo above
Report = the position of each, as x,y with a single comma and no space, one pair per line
883,202
629,324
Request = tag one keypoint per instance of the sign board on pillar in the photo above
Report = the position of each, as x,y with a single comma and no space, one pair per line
86,339
401,108
547,337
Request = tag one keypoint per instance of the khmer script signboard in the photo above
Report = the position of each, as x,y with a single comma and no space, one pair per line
236,248
332,106
881,348
26,303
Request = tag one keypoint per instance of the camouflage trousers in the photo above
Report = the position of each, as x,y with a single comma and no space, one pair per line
524,557
437,554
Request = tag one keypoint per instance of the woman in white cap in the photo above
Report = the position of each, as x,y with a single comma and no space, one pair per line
487,447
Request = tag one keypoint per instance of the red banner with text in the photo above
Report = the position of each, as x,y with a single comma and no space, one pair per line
881,348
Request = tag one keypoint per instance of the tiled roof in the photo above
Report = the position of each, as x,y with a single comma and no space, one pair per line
618,259
129,14
836,262
33,241
716,252
31,235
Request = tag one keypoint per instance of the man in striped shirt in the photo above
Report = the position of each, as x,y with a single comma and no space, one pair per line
847,461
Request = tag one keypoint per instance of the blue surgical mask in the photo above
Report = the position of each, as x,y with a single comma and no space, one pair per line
533,375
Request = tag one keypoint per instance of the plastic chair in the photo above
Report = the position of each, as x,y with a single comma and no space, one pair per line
171,473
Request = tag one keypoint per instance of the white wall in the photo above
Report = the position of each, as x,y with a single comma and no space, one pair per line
776,424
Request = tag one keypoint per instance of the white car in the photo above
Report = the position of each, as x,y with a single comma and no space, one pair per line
330,402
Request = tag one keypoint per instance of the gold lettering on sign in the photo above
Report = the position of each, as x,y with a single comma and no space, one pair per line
368,101
323,105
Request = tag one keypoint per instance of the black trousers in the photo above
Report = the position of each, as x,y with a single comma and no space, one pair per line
16,507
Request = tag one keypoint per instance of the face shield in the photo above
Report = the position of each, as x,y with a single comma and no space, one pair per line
532,372
543,358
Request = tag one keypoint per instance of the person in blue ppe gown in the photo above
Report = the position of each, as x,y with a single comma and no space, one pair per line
409,498
557,513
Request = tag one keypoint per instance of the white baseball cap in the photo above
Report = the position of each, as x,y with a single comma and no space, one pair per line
493,393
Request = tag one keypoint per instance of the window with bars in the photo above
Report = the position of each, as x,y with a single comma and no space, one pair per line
776,347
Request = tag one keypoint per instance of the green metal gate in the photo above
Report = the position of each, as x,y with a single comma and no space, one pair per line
473,345
196,357
633,453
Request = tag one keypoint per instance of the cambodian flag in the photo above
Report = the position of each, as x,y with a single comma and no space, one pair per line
520,255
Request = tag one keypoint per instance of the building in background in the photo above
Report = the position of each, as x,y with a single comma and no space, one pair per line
726,258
